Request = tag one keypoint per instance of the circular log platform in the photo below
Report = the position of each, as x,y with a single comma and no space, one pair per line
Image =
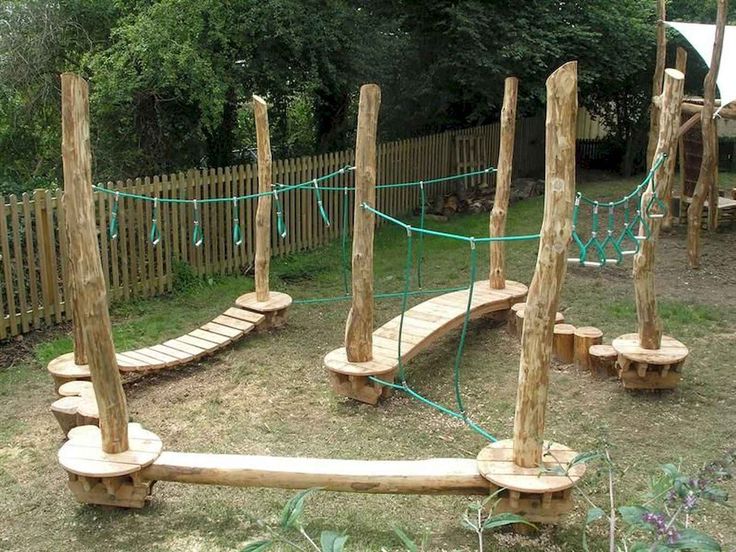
96,477
275,309
585,337
563,343
77,406
540,494
63,369
641,368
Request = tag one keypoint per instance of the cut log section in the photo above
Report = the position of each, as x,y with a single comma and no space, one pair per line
423,325
516,319
541,494
603,360
641,368
96,477
563,343
584,338
275,309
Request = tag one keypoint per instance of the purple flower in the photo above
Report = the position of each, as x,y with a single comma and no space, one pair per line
690,502
657,520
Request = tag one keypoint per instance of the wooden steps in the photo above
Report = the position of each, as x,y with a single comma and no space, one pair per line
423,325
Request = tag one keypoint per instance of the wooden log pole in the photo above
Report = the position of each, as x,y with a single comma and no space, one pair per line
359,327
585,338
549,274
263,212
86,267
681,66
650,326
503,183
709,163
657,80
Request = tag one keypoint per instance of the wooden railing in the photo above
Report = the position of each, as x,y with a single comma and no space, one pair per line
33,285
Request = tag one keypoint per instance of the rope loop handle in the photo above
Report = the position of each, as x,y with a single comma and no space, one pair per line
113,231
237,233
320,205
280,226
197,234
155,235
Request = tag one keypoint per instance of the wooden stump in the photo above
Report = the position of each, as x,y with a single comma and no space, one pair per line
76,407
641,368
603,360
112,479
563,343
361,388
584,338
63,369
275,309
516,319
538,494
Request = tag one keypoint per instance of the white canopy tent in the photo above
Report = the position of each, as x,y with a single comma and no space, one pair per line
702,37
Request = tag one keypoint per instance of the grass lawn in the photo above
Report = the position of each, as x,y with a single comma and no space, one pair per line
269,395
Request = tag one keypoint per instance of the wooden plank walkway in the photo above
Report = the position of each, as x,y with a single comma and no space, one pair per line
423,325
209,338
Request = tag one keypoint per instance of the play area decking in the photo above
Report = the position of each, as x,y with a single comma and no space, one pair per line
422,326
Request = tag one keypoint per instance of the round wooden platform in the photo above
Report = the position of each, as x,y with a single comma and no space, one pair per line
277,301
82,454
671,352
495,463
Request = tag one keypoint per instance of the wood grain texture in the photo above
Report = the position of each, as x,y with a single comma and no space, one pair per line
706,185
585,338
549,274
359,327
661,58
505,166
681,66
650,325
263,214
86,268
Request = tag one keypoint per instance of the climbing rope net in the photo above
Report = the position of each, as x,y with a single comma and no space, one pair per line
611,249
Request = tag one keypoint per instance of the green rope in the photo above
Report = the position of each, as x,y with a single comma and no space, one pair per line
637,191
404,301
114,218
280,225
575,237
656,208
464,332
321,207
237,232
344,241
155,235
197,234
416,182
610,241
627,236
460,237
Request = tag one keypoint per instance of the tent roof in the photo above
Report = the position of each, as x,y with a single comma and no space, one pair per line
702,37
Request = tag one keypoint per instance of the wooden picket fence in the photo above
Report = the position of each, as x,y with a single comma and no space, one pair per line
33,282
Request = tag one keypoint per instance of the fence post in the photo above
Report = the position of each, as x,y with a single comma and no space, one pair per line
359,328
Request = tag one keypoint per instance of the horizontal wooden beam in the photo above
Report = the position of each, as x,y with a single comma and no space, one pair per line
448,476
727,112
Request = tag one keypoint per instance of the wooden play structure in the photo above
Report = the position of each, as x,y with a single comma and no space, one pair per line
262,310
117,463
698,134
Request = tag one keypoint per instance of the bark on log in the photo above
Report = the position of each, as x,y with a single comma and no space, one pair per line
359,328
263,213
503,183
564,343
650,326
709,163
585,337
549,274
86,267
657,80
681,66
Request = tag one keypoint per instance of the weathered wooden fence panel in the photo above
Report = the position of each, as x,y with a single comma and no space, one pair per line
33,284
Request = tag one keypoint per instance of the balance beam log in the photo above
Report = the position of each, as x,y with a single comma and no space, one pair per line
563,343
446,476
585,337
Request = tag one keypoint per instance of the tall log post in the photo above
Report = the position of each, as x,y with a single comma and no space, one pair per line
709,164
86,268
503,183
359,327
681,66
657,80
650,326
549,274
263,213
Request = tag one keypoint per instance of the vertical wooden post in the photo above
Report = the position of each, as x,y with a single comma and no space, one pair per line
650,326
657,80
263,213
709,163
681,66
549,274
503,183
86,267
359,328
